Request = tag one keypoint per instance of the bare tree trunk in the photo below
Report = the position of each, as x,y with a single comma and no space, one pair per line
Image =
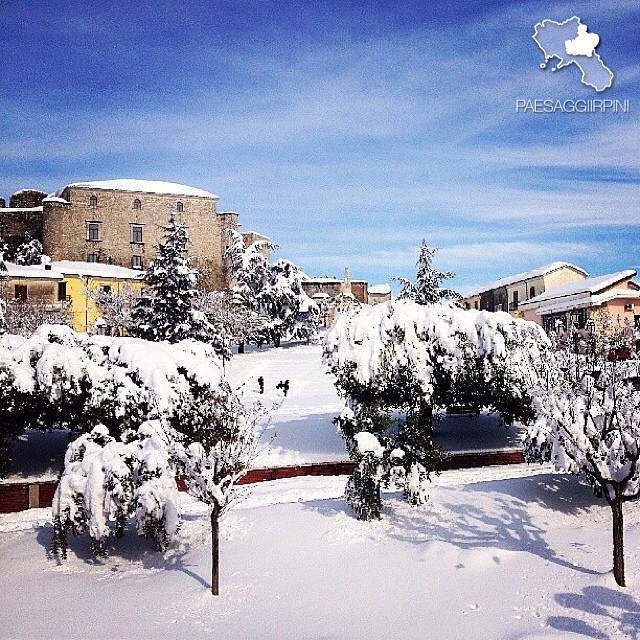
215,550
618,537
240,347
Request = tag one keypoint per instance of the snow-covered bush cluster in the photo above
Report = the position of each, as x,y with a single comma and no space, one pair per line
401,363
60,378
272,291
107,480
150,410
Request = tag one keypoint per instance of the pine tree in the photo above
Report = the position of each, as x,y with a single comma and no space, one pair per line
165,311
30,251
426,289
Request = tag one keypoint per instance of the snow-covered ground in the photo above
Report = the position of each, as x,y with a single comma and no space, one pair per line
498,553
495,554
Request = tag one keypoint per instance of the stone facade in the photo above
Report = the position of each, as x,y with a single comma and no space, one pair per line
16,221
123,226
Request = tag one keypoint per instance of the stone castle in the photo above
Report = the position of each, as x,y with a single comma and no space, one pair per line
120,222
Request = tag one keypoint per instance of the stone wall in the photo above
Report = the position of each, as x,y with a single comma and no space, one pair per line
27,198
14,223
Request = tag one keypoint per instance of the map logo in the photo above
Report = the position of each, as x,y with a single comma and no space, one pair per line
571,43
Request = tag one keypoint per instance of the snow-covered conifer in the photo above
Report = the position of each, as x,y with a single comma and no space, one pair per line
426,289
273,291
166,311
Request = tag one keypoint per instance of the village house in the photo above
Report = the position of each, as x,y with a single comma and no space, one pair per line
34,284
574,304
508,294
84,282
73,287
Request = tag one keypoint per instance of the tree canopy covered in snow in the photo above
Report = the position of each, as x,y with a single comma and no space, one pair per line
148,410
588,423
418,360
426,289
272,291
165,311
59,378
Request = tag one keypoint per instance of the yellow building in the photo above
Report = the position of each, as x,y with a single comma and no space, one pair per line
84,283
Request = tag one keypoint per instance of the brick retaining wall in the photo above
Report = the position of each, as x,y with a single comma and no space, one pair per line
21,496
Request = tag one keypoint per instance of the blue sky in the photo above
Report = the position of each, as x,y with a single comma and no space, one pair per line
346,131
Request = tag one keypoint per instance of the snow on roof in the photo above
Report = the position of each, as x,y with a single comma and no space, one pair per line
380,289
583,293
322,279
55,199
253,233
95,269
525,275
35,271
144,186
588,285
320,295
21,209
327,280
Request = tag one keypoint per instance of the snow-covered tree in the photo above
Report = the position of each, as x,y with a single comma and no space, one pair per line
588,424
30,251
411,360
292,314
273,291
426,289
165,310
151,411
3,285
59,378
221,450
115,306
230,319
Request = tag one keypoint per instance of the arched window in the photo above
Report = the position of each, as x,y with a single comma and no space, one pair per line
137,204
93,201
179,207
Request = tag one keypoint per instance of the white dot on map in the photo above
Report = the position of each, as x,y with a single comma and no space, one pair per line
543,66
554,68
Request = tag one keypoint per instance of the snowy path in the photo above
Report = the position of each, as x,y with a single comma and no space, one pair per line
300,429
